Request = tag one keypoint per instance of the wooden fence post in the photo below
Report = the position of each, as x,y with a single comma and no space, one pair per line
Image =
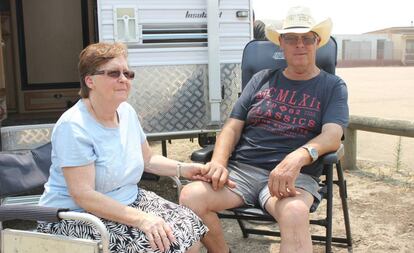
350,145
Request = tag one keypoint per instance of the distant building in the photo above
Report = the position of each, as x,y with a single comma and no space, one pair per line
390,46
403,41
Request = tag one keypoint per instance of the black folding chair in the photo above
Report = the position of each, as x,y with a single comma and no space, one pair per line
259,55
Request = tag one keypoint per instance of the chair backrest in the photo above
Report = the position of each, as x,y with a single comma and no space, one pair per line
25,159
25,136
24,171
259,55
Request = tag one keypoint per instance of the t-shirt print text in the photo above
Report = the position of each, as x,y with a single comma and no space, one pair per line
285,112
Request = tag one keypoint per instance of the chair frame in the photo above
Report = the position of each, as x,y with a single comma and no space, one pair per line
247,213
36,213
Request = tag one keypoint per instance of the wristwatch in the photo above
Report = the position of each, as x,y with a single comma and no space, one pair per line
312,152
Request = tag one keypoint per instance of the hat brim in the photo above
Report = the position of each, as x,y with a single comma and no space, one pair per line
323,29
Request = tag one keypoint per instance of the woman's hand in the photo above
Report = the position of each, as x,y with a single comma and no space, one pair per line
194,171
159,233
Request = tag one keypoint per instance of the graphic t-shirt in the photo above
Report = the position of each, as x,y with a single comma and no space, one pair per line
281,115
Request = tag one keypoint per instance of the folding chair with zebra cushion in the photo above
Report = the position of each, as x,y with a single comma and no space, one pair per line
24,169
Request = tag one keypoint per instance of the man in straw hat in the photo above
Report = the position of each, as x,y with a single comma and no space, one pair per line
267,151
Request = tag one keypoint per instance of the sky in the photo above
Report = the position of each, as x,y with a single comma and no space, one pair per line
348,16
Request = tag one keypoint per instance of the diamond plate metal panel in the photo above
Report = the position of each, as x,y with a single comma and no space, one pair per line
170,98
175,98
231,83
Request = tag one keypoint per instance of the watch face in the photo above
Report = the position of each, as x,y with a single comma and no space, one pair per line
312,152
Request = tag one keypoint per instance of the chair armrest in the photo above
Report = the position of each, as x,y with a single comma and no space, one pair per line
203,155
52,214
30,212
333,157
178,184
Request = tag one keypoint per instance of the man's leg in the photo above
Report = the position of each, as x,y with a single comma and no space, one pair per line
205,202
195,248
292,214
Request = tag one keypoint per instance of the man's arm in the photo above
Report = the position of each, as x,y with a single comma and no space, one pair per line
226,141
328,141
282,178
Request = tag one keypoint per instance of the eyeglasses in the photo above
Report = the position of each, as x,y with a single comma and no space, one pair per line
293,40
129,74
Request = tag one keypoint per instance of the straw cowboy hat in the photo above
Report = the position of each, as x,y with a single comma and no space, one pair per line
300,20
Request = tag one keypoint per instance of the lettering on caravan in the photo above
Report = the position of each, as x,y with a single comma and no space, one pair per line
195,14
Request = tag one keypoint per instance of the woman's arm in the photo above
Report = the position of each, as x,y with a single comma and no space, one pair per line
81,185
163,166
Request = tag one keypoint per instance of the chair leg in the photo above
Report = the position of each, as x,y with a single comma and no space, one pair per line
344,196
242,228
329,205
164,148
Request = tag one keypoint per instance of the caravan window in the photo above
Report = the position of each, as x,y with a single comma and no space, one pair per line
175,34
126,27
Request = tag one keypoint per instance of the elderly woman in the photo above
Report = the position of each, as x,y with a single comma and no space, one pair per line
99,154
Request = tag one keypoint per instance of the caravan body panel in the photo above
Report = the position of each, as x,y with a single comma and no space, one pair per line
168,49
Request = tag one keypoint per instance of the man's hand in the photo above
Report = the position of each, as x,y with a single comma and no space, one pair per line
282,178
218,174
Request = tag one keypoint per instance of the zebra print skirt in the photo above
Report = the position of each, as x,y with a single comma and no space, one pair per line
187,227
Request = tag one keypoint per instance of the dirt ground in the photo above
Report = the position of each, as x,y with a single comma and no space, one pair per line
381,212
380,193
384,92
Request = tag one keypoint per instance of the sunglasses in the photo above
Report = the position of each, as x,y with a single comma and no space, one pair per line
293,40
129,74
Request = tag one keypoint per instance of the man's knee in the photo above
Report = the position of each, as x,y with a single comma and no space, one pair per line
194,196
293,213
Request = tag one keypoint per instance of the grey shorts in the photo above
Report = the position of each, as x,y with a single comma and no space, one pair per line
251,184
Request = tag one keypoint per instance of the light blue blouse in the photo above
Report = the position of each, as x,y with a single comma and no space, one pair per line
78,140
